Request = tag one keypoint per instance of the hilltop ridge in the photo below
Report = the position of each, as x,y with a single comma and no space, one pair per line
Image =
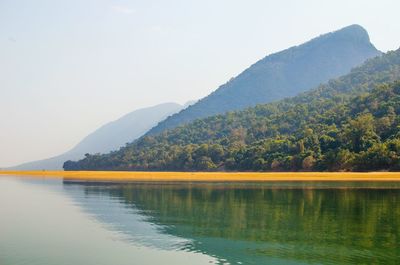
282,74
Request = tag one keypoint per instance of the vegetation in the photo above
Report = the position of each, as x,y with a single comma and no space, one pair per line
343,125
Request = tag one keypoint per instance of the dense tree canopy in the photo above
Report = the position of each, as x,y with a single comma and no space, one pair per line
351,123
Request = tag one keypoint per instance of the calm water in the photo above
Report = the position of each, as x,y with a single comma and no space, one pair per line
64,222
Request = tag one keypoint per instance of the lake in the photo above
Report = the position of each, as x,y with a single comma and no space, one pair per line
56,221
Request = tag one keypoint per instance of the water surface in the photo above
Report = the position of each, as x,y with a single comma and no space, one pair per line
68,222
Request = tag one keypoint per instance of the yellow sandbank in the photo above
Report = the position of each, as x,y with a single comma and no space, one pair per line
209,176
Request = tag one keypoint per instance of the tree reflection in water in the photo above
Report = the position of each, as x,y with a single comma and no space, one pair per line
334,223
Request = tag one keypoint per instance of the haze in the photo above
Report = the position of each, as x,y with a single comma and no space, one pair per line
68,67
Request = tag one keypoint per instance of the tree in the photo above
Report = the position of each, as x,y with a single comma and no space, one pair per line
359,134
275,165
308,163
205,163
377,157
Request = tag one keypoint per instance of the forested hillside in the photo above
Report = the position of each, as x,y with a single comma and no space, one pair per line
283,74
351,123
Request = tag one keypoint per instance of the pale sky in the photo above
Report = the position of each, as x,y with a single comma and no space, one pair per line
67,67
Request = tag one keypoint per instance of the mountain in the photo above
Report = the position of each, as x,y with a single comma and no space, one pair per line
283,74
110,136
350,123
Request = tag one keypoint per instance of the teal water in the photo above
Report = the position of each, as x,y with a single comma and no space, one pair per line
66,222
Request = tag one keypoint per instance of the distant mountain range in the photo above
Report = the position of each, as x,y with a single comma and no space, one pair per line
283,74
110,136
277,76
350,123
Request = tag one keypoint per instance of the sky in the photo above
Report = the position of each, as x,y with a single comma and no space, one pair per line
67,67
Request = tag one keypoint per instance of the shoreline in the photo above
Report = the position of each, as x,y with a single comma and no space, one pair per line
208,176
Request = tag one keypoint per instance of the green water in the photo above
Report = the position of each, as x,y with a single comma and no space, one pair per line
65,222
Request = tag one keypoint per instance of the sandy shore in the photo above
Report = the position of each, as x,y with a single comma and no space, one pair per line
209,176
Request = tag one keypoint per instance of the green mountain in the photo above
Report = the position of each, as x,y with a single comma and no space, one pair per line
283,74
109,137
350,123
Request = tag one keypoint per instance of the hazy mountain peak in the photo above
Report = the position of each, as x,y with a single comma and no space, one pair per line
353,32
111,136
283,74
